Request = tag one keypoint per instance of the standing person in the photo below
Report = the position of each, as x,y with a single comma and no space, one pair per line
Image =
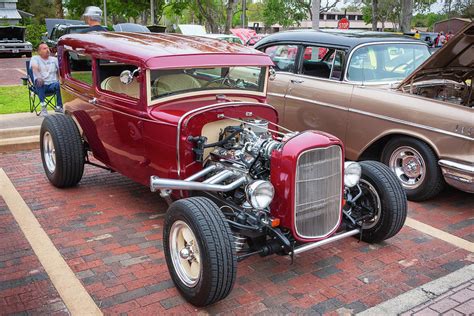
442,39
45,76
93,16
449,35
417,35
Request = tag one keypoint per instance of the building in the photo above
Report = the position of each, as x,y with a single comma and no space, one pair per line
9,14
453,25
329,20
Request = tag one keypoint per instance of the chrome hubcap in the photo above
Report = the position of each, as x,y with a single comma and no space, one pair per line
372,200
49,152
185,253
409,166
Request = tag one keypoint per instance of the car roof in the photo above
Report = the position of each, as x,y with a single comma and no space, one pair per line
142,47
347,38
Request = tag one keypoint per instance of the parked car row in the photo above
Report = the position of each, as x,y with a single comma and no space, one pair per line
190,119
12,42
385,98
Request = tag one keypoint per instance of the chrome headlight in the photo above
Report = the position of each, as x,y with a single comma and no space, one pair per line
352,173
260,193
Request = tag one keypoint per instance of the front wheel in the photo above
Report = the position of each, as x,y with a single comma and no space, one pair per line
199,251
384,196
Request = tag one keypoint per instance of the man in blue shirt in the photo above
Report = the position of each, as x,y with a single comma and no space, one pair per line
45,75
93,16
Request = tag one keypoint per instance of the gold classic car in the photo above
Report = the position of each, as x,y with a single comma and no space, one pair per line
385,97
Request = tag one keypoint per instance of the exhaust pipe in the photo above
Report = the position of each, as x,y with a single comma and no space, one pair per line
326,241
157,183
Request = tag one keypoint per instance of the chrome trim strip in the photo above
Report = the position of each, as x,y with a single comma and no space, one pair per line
428,128
310,246
340,198
193,112
456,166
276,94
368,44
329,105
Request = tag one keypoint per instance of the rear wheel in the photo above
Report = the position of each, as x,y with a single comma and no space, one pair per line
62,151
199,251
383,194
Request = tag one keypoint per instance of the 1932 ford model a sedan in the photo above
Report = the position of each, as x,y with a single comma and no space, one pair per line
187,116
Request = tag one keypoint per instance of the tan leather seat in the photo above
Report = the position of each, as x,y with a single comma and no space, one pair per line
115,85
173,83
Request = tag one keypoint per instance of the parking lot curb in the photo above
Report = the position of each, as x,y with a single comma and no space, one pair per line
422,294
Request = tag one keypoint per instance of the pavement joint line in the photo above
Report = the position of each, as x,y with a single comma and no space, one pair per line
421,294
438,233
72,292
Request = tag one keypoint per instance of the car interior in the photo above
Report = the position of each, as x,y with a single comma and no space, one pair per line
109,78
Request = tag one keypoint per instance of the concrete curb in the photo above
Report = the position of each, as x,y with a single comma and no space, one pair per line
421,294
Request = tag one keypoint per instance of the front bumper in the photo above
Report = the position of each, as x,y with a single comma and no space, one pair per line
458,175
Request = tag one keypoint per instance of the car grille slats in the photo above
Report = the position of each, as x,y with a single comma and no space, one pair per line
318,191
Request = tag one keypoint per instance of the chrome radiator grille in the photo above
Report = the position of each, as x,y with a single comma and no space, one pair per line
318,191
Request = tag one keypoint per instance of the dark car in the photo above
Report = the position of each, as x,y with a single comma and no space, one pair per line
60,30
188,117
12,41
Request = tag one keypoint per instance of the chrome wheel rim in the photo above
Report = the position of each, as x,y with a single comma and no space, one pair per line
49,152
371,199
185,253
409,166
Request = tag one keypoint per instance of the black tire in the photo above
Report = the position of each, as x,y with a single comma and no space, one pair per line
217,254
69,150
390,197
432,183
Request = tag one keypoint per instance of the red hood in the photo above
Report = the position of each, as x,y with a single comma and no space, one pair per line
172,113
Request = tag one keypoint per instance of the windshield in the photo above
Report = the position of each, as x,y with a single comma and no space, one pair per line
168,82
386,62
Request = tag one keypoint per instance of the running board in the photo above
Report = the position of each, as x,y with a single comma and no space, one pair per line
307,247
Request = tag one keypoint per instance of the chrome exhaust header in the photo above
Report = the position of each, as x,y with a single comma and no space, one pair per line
211,184
310,246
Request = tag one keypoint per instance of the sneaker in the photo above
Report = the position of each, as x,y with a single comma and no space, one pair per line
59,109
43,112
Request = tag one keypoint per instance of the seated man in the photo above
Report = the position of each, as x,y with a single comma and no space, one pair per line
45,75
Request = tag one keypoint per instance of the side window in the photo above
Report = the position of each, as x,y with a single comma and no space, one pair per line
80,67
336,71
284,56
317,61
108,78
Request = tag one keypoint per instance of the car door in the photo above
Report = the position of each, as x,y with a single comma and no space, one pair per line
284,57
316,98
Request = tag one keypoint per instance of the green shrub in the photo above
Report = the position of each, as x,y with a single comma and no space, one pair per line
34,33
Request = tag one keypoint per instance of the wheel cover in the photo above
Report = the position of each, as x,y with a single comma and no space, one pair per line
49,152
370,199
185,253
409,166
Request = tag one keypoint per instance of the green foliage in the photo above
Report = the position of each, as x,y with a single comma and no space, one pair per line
427,20
13,99
284,12
34,33
40,8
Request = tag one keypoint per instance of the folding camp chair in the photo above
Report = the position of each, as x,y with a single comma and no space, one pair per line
35,103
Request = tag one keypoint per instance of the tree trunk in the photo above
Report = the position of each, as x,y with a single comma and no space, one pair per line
230,13
407,12
59,9
315,8
375,13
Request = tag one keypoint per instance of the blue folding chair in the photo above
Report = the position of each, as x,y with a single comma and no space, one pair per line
35,103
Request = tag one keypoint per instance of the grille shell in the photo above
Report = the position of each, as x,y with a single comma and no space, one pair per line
318,192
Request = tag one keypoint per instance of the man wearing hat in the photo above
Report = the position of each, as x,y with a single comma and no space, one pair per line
93,16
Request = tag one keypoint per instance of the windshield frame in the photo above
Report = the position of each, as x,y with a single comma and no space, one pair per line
208,92
377,83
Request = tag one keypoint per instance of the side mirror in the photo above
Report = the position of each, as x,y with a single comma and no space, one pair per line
271,74
126,77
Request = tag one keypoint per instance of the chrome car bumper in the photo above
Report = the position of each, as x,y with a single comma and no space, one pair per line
458,175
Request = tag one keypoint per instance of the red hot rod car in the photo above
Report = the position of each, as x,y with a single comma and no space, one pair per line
187,116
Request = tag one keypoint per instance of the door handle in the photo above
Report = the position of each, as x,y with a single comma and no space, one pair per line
93,101
297,81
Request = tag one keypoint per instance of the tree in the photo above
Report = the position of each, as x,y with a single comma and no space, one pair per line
284,12
406,14
315,7
58,4
375,14
230,8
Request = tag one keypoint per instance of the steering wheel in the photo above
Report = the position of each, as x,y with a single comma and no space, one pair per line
222,80
398,66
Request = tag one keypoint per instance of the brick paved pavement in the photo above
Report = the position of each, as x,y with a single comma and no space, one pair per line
458,301
12,71
109,231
